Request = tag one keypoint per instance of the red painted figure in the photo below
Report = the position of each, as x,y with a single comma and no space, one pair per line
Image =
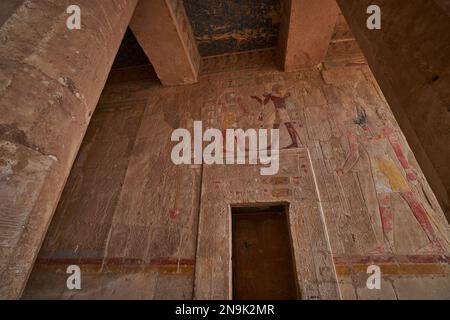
278,96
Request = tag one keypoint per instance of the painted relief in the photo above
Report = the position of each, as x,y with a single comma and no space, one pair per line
378,139
366,168
344,163
222,27
269,110
186,31
278,97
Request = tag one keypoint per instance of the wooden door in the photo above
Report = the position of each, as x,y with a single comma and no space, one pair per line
263,265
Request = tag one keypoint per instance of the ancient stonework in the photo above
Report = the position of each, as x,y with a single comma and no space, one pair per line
357,196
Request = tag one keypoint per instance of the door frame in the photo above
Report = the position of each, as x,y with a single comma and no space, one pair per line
243,185
285,213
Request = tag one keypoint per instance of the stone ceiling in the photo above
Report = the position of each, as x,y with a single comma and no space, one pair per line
222,27
235,26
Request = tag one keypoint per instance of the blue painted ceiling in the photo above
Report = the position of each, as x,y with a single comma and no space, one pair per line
229,26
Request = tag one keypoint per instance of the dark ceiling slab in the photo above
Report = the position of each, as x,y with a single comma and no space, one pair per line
230,26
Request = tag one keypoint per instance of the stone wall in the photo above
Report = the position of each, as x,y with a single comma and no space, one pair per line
141,227
409,58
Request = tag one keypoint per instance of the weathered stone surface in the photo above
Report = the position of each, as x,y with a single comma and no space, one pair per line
423,288
338,230
409,58
163,31
226,185
50,83
7,8
23,171
306,30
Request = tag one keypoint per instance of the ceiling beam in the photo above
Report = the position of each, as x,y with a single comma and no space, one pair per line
306,30
164,33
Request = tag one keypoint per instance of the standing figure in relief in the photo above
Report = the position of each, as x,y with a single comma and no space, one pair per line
278,97
233,112
388,177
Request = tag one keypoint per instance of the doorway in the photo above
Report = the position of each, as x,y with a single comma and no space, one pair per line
262,259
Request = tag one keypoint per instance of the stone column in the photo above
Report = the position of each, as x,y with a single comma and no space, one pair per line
164,32
50,82
306,30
